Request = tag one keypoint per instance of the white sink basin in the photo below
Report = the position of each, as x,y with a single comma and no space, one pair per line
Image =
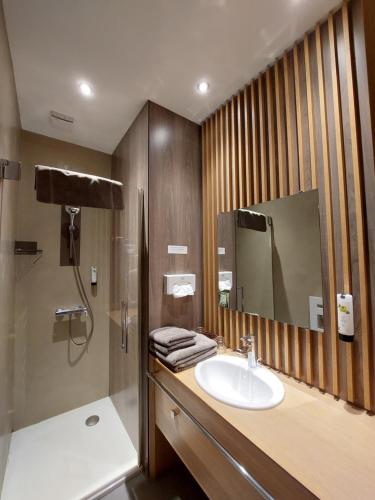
229,380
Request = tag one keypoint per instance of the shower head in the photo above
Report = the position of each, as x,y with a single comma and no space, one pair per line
72,211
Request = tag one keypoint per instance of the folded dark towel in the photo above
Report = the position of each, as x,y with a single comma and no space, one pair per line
170,336
167,350
65,187
251,220
181,357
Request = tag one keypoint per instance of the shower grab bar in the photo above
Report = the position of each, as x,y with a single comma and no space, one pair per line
69,311
124,326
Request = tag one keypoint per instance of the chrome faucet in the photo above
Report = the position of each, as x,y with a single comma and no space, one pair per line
248,350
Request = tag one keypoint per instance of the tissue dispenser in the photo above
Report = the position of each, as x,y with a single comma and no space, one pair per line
173,282
225,281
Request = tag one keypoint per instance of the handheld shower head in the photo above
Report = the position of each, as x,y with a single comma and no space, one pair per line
72,211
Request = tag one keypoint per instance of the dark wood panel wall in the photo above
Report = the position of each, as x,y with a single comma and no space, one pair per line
297,127
175,215
160,155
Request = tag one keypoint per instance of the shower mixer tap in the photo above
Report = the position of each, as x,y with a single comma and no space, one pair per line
70,311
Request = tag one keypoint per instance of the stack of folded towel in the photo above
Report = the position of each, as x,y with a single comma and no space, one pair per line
179,348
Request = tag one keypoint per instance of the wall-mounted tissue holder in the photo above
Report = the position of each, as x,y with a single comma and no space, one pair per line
225,280
179,285
316,314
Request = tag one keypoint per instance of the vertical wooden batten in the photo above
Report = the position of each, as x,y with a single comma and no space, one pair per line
263,144
271,135
363,15
248,157
207,168
332,330
205,224
310,113
343,204
216,212
359,213
254,145
213,223
295,127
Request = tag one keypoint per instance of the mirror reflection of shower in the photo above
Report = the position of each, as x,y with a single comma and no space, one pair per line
73,211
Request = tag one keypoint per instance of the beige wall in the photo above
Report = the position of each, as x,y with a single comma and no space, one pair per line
9,139
53,375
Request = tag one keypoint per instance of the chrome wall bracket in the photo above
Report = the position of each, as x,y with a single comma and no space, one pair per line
10,170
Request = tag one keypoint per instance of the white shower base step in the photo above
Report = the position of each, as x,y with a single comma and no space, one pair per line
63,459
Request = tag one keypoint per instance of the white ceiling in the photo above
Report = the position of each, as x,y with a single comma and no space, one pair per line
134,50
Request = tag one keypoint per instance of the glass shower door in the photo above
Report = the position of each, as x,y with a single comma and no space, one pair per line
124,364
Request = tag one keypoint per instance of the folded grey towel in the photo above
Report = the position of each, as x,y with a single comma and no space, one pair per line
182,356
170,336
185,366
167,350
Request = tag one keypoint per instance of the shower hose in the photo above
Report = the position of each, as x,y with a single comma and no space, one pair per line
82,293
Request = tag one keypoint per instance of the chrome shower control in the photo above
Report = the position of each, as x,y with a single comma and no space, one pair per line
69,311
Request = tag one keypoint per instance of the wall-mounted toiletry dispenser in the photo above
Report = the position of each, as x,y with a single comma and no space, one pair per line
179,285
345,317
94,275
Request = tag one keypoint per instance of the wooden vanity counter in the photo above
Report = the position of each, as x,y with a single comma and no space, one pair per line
322,445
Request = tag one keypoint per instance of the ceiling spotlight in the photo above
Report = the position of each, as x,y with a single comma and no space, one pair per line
203,87
86,89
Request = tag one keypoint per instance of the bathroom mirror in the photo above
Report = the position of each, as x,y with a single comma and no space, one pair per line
270,260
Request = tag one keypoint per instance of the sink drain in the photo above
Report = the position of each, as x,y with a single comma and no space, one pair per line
92,420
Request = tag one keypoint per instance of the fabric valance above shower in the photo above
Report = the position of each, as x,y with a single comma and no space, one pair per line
65,187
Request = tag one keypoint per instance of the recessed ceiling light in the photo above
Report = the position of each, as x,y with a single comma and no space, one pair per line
86,89
203,87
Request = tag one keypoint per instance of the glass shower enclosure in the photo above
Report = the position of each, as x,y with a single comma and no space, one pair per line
125,324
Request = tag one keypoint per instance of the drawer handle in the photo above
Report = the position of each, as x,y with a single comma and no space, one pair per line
174,413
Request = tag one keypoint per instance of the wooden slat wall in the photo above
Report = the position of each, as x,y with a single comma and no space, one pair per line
295,128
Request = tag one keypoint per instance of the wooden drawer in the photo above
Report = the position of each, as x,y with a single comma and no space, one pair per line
217,477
